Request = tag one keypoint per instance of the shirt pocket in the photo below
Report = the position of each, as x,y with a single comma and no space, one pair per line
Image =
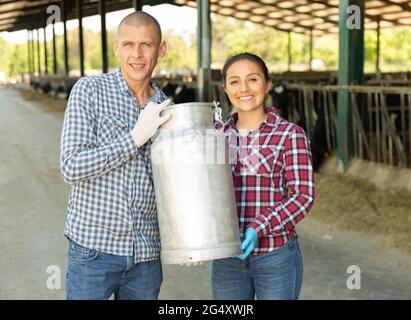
269,160
80,254
256,161
111,128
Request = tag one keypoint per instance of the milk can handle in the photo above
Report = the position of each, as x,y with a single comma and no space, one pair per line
217,112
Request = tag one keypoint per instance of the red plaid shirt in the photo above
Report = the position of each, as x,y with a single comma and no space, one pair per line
273,178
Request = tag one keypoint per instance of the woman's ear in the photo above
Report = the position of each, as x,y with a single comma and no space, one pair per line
269,86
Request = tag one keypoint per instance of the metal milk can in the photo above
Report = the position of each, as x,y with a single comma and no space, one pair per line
194,188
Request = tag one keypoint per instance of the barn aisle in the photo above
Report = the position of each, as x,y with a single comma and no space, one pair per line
33,200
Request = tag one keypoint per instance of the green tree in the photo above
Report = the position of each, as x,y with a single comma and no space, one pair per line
17,61
229,36
179,53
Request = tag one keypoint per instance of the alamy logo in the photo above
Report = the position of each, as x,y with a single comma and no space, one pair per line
55,16
354,280
54,280
354,17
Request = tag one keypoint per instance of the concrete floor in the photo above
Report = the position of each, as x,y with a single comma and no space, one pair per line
33,200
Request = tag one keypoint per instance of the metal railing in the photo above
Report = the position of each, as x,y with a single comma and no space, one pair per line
380,119
380,116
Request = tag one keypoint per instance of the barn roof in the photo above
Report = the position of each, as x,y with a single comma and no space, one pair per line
299,16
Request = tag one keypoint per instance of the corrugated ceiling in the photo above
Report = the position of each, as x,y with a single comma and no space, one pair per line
299,16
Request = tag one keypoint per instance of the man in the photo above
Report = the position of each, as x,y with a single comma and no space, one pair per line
112,226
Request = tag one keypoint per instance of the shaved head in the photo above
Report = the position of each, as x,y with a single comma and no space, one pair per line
137,19
138,47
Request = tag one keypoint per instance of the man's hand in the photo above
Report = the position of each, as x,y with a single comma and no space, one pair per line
250,239
149,121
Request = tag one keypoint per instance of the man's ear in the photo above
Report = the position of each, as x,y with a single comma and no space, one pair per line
162,49
115,48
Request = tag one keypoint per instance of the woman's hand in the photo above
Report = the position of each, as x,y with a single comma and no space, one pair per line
250,240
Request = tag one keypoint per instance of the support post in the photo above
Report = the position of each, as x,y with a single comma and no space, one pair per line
204,50
377,64
54,50
29,62
64,16
102,11
138,5
32,52
38,51
311,51
79,7
350,71
289,51
46,69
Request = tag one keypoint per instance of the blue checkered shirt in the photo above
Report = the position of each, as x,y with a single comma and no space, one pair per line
111,207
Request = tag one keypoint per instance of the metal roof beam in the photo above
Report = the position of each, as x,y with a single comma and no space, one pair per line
26,5
33,19
296,24
406,6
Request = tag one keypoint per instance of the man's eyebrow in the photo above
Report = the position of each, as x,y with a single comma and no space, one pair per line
143,41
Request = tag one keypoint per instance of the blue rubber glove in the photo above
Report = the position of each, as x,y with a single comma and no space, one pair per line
250,240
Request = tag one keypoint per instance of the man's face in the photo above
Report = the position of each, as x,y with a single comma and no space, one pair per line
138,48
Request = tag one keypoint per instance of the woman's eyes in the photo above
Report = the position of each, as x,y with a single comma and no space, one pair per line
233,83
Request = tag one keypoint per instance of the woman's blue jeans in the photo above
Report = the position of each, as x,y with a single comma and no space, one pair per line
276,275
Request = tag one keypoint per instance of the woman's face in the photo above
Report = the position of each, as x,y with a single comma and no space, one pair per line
246,86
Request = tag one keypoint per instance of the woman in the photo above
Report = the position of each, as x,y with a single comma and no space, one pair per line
274,187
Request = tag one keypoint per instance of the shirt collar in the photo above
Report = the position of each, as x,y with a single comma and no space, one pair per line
121,82
273,117
272,120
122,85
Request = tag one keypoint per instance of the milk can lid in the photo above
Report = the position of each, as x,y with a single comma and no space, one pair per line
190,104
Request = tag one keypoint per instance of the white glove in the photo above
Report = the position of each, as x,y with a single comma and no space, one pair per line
149,121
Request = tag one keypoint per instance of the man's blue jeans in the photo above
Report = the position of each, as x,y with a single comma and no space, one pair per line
94,275
276,275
